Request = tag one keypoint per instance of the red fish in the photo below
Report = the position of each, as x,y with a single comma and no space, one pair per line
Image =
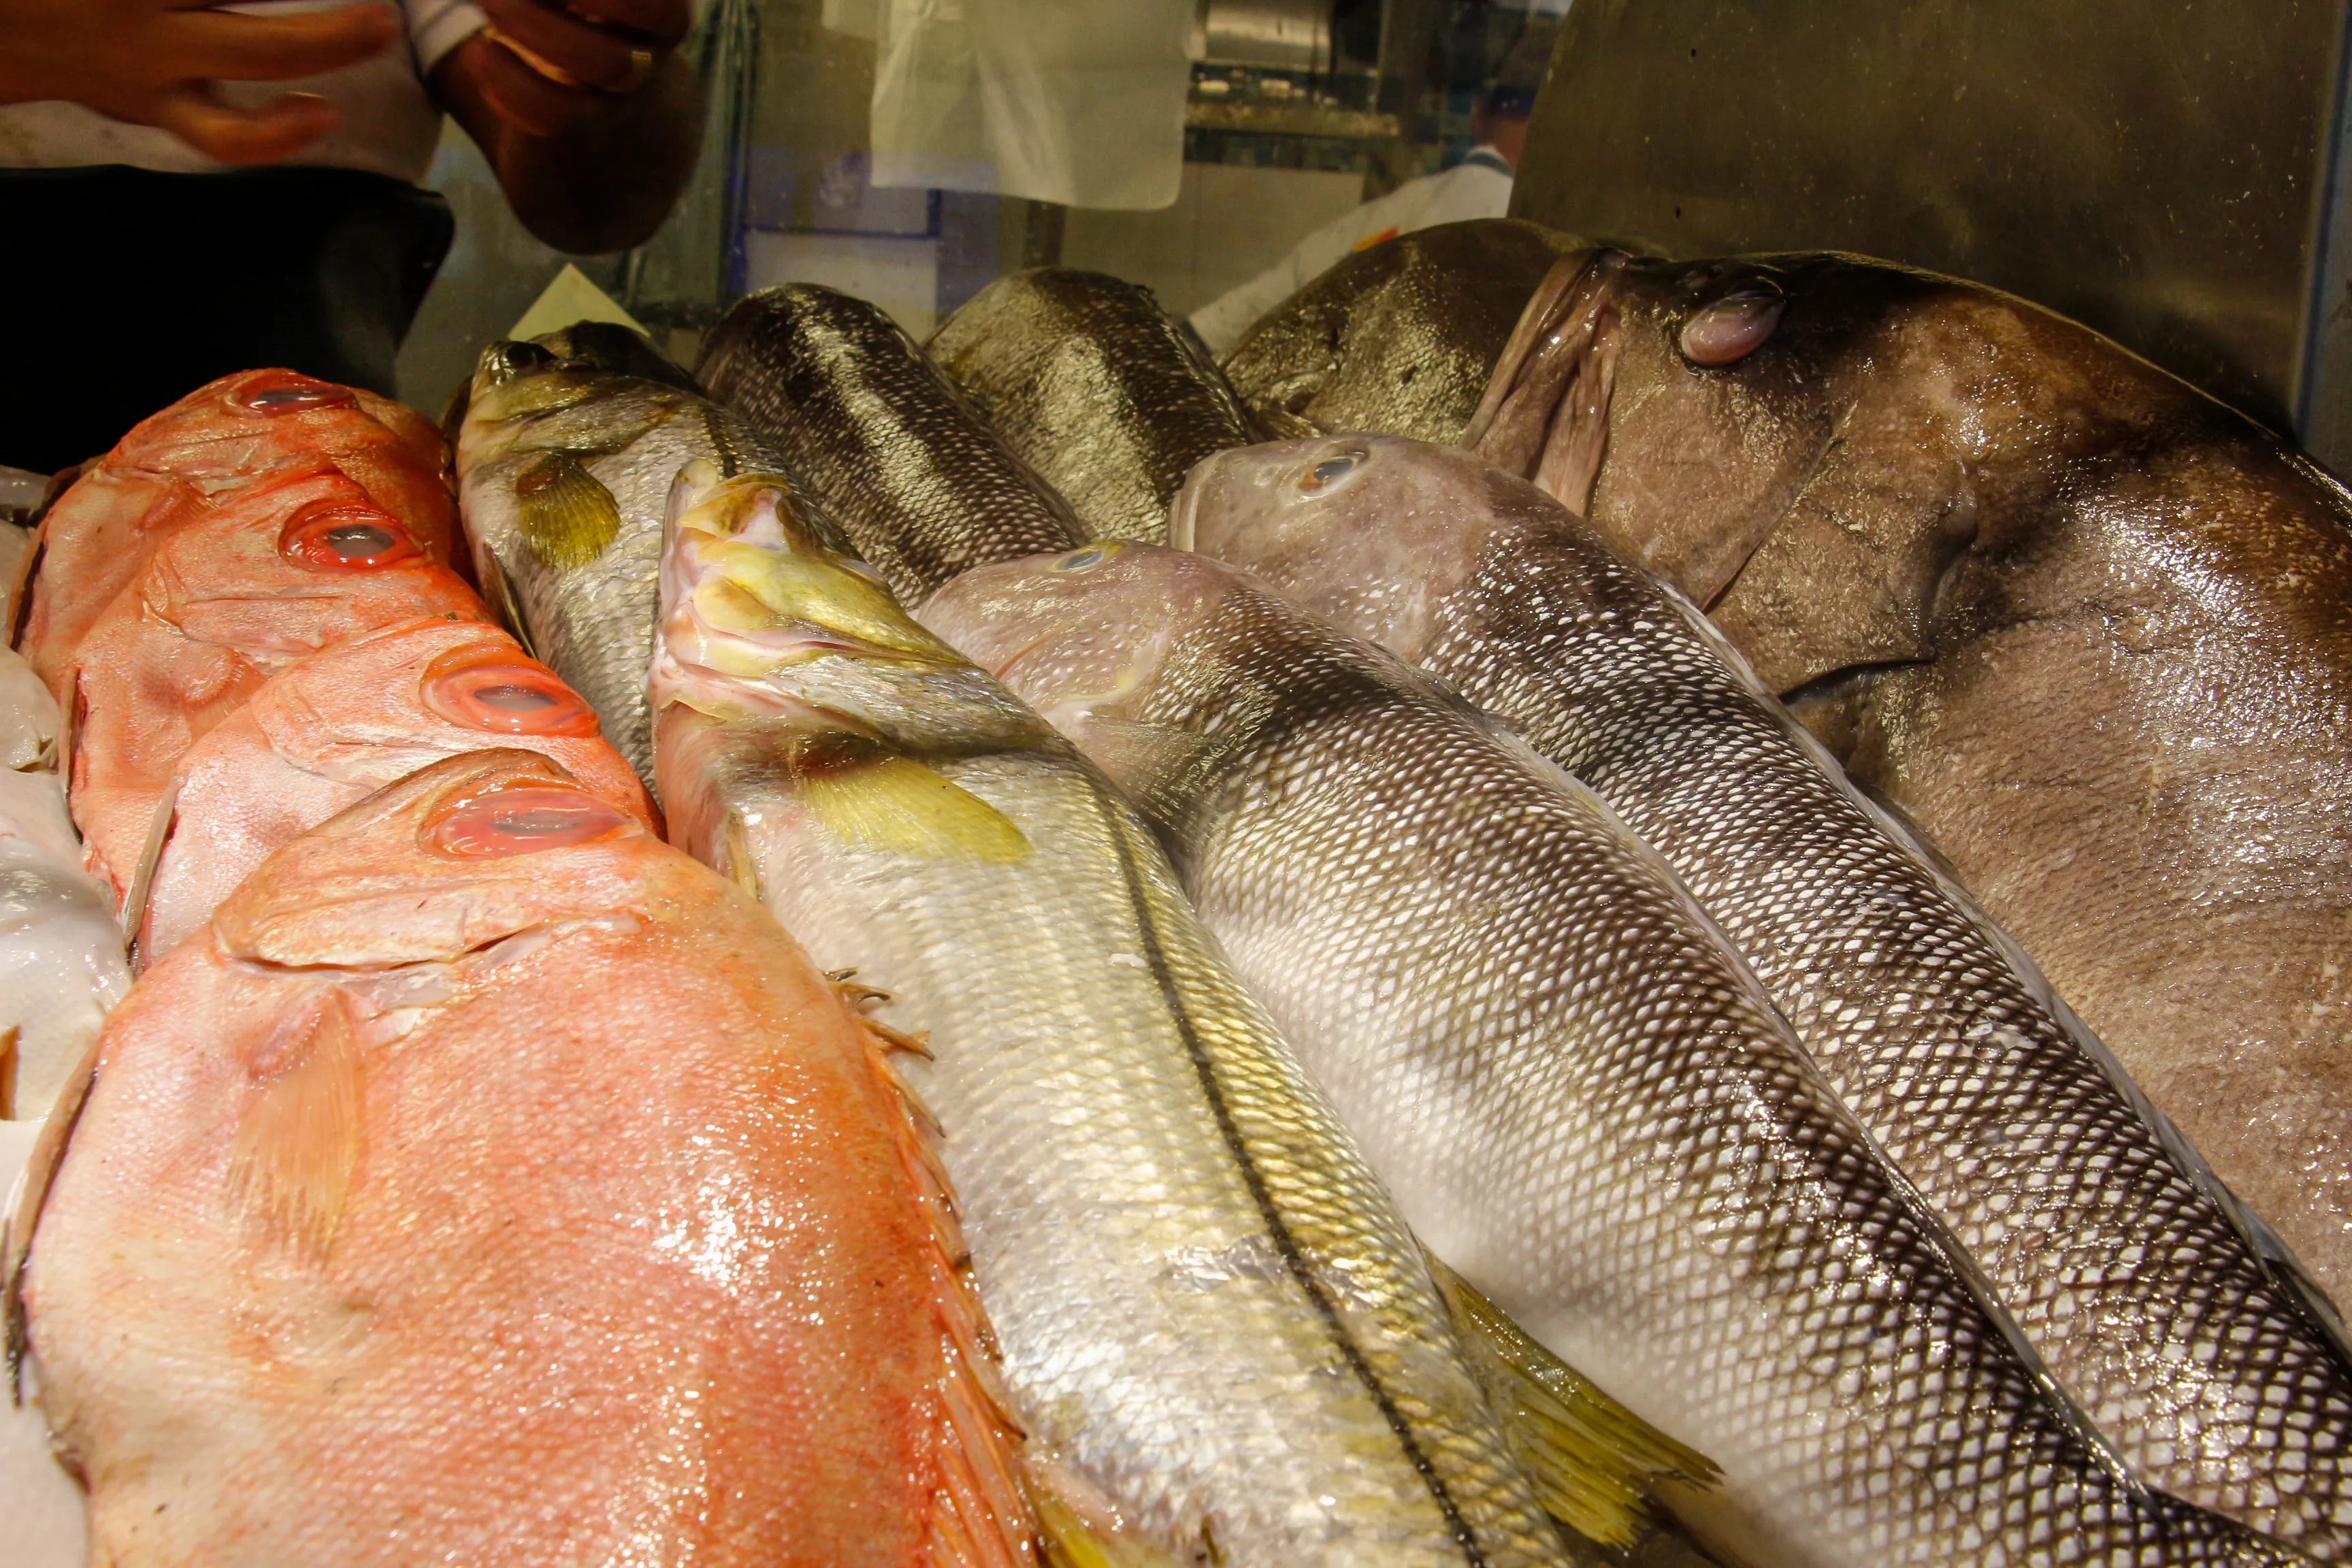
491,1183
222,602
202,452
328,730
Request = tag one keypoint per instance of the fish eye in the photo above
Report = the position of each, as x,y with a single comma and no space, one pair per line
522,821
506,361
1734,325
339,537
491,689
1330,471
282,396
1079,560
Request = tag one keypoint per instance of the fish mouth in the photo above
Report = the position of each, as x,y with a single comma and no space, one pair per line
1545,414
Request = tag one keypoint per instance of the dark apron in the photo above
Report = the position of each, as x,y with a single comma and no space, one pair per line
121,289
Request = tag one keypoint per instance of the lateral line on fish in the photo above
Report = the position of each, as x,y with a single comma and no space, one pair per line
1279,1233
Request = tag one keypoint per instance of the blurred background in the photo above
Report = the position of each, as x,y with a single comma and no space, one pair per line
911,151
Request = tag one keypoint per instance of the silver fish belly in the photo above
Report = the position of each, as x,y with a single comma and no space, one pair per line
2101,1232
1578,1094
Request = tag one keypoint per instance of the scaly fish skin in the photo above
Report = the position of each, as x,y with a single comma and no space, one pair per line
2201,1364
918,481
60,951
1399,337
564,463
1579,1095
1095,387
328,730
1211,1319
2079,622
491,1183
226,437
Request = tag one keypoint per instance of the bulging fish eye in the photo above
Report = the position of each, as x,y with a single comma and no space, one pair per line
1729,327
1081,560
491,689
508,360
340,537
523,821
292,394
1330,471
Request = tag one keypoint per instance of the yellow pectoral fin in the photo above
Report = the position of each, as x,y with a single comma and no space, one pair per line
568,516
893,804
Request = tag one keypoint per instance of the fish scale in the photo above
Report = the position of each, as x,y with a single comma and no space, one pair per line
1212,1322
1096,388
2101,1232
917,479
1579,1095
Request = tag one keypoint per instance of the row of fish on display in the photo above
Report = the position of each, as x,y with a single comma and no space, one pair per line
1204,983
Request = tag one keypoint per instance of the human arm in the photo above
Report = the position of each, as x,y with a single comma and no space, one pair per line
156,62
592,162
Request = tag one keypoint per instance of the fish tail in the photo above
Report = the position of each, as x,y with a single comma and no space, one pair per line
980,1515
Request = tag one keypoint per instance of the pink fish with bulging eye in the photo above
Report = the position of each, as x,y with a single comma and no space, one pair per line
222,603
491,1183
329,729
224,438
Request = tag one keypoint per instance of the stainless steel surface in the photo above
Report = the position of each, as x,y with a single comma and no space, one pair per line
1285,35
2159,172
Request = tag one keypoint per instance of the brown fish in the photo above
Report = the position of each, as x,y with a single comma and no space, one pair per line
2083,624
1095,387
1398,338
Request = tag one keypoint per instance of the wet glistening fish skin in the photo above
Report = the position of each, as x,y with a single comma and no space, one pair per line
918,482
1217,1334
373,1245
1575,1090
2101,1232
1104,393
565,464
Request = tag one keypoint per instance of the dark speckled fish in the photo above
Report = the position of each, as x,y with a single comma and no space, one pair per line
564,463
1577,1094
2103,1232
916,478
1096,388
1400,338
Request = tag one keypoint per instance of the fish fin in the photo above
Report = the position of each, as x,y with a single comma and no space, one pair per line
499,589
24,1205
9,1062
891,803
981,1517
298,1136
1079,1529
18,595
143,876
1154,764
568,516
735,860
1593,1462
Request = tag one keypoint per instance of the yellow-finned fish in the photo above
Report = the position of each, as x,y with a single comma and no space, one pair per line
1221,1341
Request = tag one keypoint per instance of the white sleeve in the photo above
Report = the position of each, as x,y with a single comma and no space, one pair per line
436,27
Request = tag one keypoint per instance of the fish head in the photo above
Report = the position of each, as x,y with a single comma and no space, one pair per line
522,391
448,861
760,617
1374,531
1114,645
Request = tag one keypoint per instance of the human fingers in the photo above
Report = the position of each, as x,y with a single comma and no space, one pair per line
276,129
585,53
661,23
227,46
523,98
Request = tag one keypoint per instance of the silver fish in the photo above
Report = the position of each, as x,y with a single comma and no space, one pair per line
1579,1095
1213,1322
564,462
2129,1268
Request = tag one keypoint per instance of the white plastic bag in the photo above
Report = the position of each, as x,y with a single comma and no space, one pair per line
1074,101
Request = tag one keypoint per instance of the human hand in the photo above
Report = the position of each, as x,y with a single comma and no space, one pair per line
158,62
546,66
